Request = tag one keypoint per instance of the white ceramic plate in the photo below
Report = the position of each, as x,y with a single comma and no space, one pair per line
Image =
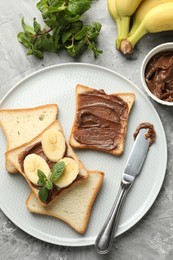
56,84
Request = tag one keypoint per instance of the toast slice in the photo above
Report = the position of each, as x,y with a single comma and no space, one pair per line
74,205
17,156
22,125
99,118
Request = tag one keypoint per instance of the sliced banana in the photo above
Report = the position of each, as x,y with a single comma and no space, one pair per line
53,145
70,173
32,163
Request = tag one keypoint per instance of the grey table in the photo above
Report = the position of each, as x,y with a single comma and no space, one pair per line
152,237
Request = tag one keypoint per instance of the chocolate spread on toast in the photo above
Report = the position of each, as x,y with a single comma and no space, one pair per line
99,120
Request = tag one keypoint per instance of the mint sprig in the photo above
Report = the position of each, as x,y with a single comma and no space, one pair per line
47,183
64,29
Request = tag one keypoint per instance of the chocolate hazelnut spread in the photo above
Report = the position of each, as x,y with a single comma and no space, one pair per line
159,75
150,134
37,149
99,119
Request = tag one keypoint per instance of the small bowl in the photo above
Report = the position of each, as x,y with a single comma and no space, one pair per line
160,48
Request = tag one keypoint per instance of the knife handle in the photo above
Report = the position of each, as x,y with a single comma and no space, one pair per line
105,237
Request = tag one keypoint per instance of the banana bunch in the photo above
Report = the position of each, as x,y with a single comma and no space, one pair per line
135,18
121,11
54,147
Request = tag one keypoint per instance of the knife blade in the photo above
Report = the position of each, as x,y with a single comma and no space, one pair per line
132,168
137,157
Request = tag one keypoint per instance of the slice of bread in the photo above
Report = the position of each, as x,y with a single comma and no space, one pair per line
128,98
22,125
74,205
17,155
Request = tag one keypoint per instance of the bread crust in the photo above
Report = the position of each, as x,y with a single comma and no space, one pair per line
129,98
51,210
14,155
21,113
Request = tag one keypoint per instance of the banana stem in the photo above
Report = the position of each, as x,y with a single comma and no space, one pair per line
123,30
133,29
138,34
127,45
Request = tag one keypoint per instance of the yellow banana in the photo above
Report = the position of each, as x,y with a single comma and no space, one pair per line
125,9
111,5
141,11
53,145
158,19
70,173
33,163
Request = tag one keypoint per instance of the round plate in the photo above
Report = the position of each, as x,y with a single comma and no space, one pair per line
56,84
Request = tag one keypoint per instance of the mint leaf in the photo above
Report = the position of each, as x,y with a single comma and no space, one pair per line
49,185
37,42
42,178
97,26
72,18
66,36
93,47
27,28
76,27
57,171
43,194
79,6
30,52
54,9
47,43
74,50
43,7
37,53
57,3
37,27
56,39
82,33
24,40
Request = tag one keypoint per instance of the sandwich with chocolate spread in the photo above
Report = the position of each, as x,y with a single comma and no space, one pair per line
48,164
74,205
101,120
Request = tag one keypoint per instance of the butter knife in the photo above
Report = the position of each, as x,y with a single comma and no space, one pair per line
133,167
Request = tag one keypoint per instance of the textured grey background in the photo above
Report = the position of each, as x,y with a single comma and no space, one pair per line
152,237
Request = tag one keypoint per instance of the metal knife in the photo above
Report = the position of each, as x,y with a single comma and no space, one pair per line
133,167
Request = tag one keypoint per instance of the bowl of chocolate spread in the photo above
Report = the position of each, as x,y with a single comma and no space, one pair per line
157,74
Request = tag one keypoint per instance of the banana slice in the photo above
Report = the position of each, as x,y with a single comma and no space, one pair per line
32,163
53,145
70,173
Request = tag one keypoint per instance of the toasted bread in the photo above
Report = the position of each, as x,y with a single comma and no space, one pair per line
74,205
22,125
16,157
128,98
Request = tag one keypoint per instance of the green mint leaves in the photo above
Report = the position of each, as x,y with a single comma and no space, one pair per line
57,170
63,29
47,184
43,194
42,178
